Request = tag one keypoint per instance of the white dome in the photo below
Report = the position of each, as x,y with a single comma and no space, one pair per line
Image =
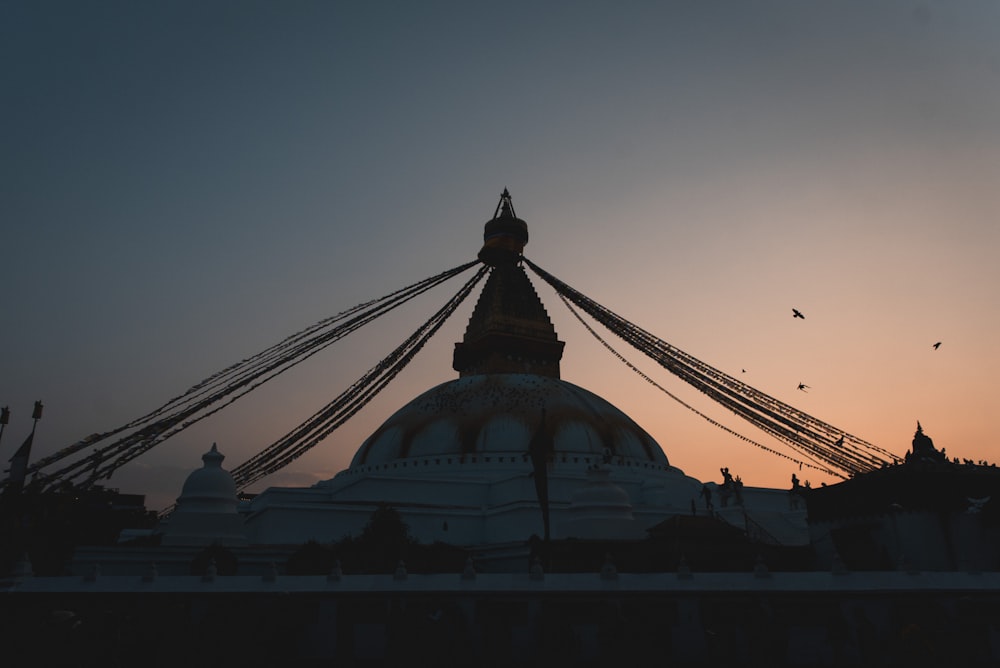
206,509
210,488
487,413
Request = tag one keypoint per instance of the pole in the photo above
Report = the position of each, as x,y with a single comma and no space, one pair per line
4,419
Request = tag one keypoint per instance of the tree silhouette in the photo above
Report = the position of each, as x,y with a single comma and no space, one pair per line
386,532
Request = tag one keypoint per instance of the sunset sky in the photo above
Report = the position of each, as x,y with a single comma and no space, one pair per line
183,184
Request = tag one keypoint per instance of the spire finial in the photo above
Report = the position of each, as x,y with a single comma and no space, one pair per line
213,457
505,208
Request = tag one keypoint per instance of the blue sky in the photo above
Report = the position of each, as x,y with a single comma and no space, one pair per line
183,184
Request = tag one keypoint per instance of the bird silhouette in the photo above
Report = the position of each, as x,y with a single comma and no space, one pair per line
803,387
797,314
936,345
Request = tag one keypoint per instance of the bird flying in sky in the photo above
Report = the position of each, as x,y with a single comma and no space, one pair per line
803,387
797,314
936,345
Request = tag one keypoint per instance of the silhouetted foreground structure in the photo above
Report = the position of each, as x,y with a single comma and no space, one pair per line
927,513
50,526
677,619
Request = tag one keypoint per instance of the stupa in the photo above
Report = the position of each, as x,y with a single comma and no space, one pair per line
506,451
206,511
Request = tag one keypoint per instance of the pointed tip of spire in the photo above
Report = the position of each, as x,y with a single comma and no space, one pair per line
505,208
213,457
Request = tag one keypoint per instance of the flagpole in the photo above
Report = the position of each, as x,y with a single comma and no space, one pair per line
4,419
36,415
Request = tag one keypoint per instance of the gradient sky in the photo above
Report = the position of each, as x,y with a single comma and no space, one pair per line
183,184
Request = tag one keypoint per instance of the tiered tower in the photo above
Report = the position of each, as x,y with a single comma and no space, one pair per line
510,330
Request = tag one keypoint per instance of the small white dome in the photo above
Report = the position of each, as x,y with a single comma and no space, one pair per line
209,489
206,509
